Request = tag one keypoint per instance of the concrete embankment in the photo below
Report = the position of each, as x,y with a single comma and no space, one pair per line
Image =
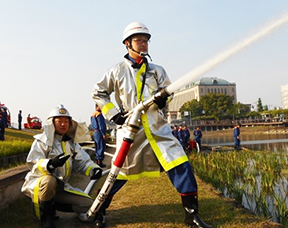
11,181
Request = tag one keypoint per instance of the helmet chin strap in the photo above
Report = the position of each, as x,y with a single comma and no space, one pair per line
142,54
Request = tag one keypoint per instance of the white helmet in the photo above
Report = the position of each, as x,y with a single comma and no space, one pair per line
135,28
60,110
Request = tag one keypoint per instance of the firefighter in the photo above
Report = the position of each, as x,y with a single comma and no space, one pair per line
154,147
198,135
236,136
52,157
3,123
99,128
20,120
29,121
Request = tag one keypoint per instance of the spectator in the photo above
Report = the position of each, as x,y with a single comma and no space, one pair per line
3,123
99,133
236,136
175,131
180,135
198,136
29,120
186,136
19,119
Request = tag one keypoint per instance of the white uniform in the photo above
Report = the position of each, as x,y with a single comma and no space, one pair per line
154,145
48,145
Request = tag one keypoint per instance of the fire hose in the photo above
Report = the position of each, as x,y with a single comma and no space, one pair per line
133,127
134,115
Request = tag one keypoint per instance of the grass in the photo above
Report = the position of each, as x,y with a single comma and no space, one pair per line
148,203
10,148
13,134
159,205
16,142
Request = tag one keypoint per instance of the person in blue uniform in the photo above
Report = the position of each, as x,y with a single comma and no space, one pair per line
198,135
236,136
99,133
3,123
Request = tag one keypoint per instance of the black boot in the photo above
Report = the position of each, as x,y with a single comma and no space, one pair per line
100,218
192,220
100,163
47,214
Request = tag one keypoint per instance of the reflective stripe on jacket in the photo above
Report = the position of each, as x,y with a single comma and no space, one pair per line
47,146
154,131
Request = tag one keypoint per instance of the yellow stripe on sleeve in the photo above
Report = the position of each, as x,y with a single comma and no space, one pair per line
107,107
40,168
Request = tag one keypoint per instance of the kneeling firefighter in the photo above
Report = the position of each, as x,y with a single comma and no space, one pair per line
52,157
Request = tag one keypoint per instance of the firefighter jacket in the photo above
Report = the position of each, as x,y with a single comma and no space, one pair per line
154,145
48,145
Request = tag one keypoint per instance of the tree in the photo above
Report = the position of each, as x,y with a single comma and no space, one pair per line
193,107
240,110
259,105
217,105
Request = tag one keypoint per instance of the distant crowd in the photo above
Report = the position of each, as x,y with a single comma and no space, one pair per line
182,133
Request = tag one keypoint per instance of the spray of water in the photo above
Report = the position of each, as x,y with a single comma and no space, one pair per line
195,73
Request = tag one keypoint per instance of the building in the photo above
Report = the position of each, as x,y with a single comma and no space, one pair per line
284,94
198,89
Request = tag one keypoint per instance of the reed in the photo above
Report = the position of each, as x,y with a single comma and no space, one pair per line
256,179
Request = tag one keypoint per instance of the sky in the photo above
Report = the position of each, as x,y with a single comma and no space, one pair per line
53,52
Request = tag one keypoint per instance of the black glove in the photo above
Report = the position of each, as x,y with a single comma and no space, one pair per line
58,161
95,173
119,119
160,101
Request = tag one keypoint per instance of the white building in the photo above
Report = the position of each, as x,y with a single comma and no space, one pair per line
198,89
284,94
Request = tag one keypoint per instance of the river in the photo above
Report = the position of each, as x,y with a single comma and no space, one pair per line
266,139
